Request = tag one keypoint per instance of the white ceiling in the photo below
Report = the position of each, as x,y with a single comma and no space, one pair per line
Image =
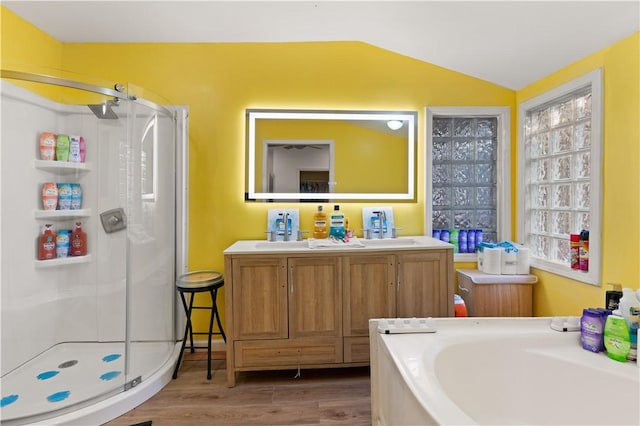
509,43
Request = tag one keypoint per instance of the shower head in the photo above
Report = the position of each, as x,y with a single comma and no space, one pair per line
104,111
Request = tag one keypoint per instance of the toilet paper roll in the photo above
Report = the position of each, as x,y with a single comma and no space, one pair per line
491,260
508,261
522,261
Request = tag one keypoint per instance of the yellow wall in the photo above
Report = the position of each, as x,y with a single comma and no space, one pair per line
23,47
621,178
219,81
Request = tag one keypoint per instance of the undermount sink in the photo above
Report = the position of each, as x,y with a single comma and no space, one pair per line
275,245
355,243
386,242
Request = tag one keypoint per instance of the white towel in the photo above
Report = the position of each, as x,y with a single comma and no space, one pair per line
333,242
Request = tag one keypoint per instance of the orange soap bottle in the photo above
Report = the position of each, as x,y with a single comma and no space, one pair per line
78,241
47,243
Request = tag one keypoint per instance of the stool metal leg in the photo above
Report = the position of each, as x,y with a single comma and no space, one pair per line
217,313
187,329
213,301
190,310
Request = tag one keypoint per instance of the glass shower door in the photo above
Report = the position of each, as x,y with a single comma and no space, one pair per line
151,231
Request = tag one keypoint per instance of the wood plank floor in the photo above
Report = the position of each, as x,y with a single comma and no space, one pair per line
319,397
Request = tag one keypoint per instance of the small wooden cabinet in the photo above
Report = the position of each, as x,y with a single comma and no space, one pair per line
310,309
487,295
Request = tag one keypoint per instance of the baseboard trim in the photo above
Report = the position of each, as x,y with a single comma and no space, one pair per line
218,350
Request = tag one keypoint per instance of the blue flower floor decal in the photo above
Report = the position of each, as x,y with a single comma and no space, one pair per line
9,399
47,375
58,396
110,375
111,357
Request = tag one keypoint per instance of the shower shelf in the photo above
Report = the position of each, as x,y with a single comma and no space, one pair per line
61,166
62,261
61,214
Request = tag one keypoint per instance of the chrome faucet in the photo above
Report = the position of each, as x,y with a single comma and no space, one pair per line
382,218
285,219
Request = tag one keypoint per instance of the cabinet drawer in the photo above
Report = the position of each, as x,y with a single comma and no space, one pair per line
356,349
288,353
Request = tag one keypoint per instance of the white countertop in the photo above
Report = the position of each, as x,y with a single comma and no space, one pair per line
419,242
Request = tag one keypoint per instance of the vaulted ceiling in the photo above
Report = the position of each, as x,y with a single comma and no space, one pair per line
509,43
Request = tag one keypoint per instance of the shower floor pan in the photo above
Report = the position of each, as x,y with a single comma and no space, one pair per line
73,373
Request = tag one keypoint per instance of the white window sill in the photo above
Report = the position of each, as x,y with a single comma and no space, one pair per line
465,257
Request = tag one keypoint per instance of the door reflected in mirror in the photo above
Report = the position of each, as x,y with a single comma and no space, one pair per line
330,155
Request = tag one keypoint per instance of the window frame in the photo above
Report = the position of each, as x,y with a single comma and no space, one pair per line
594,79
503,165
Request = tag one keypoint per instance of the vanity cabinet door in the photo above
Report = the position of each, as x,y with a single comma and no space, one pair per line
260,298
315,297
425,284
369,291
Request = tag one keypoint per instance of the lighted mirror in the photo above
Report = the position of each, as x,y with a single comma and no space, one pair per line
330,155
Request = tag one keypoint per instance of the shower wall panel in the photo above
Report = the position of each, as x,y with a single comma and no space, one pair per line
43,305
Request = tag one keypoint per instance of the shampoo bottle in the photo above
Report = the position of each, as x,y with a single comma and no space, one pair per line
83,149
336,223
47,146
616,337
47,243
78,241
74,149
320,226
50,196
62,148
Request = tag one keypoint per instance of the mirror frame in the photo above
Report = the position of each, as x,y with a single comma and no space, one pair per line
253,115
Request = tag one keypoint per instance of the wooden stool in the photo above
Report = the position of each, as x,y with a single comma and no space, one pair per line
199,282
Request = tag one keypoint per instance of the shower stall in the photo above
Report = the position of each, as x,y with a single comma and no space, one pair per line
87,337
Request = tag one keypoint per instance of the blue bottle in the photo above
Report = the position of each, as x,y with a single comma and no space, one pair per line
444,235
478,236
471,241
462,241
436,234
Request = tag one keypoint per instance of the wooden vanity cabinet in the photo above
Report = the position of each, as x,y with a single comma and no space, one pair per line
287,312
261,298
402,285
311,310
421,284
369,282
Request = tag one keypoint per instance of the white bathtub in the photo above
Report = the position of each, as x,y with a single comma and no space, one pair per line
497,371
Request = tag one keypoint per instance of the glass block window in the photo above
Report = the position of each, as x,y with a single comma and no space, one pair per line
467,179
464,174
560,168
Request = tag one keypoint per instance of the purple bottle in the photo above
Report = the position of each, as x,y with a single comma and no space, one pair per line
478,236
462,241
436,234
444,235
471,241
